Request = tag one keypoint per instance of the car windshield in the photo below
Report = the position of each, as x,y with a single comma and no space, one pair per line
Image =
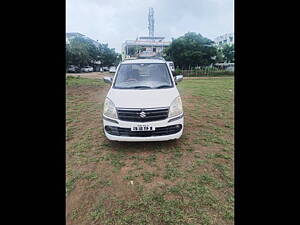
143,76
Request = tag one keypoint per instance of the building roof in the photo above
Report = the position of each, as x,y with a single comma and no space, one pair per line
146,43
158,38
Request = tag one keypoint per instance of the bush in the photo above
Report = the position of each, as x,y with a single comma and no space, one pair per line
178,71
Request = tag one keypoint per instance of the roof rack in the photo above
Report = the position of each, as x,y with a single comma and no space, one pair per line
131,58
151,57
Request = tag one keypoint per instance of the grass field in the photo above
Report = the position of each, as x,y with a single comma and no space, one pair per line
187,181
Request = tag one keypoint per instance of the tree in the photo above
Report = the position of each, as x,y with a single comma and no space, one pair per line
81,52
228,52
219,57
107,56
118,59
191,50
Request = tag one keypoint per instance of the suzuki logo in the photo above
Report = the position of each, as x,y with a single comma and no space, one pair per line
142,114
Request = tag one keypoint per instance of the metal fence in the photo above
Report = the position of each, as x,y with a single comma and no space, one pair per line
206,71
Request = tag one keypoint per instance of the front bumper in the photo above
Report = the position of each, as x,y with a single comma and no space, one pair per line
158,124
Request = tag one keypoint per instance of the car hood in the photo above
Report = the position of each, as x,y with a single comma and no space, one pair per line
149,98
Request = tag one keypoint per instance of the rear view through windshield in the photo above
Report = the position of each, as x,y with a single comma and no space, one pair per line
143,76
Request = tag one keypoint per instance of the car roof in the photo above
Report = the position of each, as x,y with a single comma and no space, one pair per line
131,61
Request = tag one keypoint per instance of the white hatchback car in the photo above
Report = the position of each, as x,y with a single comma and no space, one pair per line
87,69
112,69
143,103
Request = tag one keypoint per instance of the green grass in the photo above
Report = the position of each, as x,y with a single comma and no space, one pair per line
116,159
79,81
148,176
98,211
172,171
156,208
75,213
187,181
71,181
91,176
150,159
218,155
215,92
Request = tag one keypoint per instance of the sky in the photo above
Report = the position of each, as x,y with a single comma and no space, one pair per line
114,21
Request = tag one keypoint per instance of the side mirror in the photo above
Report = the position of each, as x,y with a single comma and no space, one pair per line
178,78
108,80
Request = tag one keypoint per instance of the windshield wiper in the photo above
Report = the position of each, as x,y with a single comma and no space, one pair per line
145,87
163,86
142,87
134,87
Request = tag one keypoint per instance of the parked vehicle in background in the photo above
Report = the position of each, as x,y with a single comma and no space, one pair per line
87,69
225,66
105,68
143,103
73,69
171,65
112,69
230,68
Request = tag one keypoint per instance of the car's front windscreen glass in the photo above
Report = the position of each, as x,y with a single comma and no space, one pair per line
143,76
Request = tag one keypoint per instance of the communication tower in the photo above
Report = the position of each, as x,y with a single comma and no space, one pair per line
151,22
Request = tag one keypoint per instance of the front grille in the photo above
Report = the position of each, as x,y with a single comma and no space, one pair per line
133,115
159,131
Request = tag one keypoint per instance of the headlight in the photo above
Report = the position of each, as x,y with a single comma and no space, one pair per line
176,107
109,109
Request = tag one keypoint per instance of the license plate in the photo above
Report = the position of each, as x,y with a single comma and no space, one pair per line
142,127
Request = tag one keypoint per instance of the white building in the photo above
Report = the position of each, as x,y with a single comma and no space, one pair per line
224,39
143,47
